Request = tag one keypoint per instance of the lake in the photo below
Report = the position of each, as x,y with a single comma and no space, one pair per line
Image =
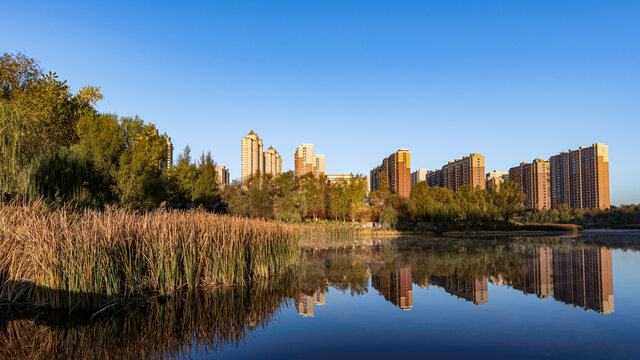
561,296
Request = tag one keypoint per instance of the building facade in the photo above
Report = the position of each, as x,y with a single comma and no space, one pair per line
495,178
223,175
580,178
396,170
534,181
458,173
418,176
252,157
318,165
303,159
272,162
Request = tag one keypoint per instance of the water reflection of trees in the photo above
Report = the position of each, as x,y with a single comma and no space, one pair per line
173,326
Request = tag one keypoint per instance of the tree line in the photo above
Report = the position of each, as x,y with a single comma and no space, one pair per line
54,144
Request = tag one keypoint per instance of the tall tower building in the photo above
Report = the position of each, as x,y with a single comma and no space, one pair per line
272,162
534,181
223,175
397,170
252,157
580,178
318,165
303,159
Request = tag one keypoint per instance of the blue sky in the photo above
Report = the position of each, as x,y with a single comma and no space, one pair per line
512,80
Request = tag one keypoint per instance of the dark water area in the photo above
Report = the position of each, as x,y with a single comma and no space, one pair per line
564,296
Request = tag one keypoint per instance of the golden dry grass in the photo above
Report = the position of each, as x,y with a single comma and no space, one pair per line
65,260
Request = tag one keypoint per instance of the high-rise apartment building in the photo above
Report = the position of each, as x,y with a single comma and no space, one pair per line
306,162
534,181
466,171
252,157
223,175
580,178
318,165
495,178
396,168
418,176
272,162
303,159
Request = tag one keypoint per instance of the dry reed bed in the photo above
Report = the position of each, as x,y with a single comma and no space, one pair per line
66,260
326,230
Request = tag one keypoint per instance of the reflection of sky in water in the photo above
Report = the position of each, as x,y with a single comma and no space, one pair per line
510,324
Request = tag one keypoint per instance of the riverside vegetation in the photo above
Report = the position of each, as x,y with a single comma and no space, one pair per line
67,260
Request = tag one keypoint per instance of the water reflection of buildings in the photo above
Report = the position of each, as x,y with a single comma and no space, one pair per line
395,286
581,277
305,303
474,291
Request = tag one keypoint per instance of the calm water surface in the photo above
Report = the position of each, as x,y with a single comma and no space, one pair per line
570,296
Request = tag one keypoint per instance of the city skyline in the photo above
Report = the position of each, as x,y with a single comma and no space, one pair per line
458,77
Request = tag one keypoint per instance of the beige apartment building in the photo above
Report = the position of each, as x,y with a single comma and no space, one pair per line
305,162
495,178
223,175
303,159
534,180
466,171
252,157
272,162
396,168
318,165
580,178
418,176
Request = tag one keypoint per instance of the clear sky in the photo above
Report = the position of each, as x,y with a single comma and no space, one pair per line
512,80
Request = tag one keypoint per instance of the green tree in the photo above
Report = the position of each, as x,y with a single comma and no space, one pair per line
508,199
139,178
205,188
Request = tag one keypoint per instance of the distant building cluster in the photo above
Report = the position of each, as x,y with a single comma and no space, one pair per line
254,158
577,179
395,170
